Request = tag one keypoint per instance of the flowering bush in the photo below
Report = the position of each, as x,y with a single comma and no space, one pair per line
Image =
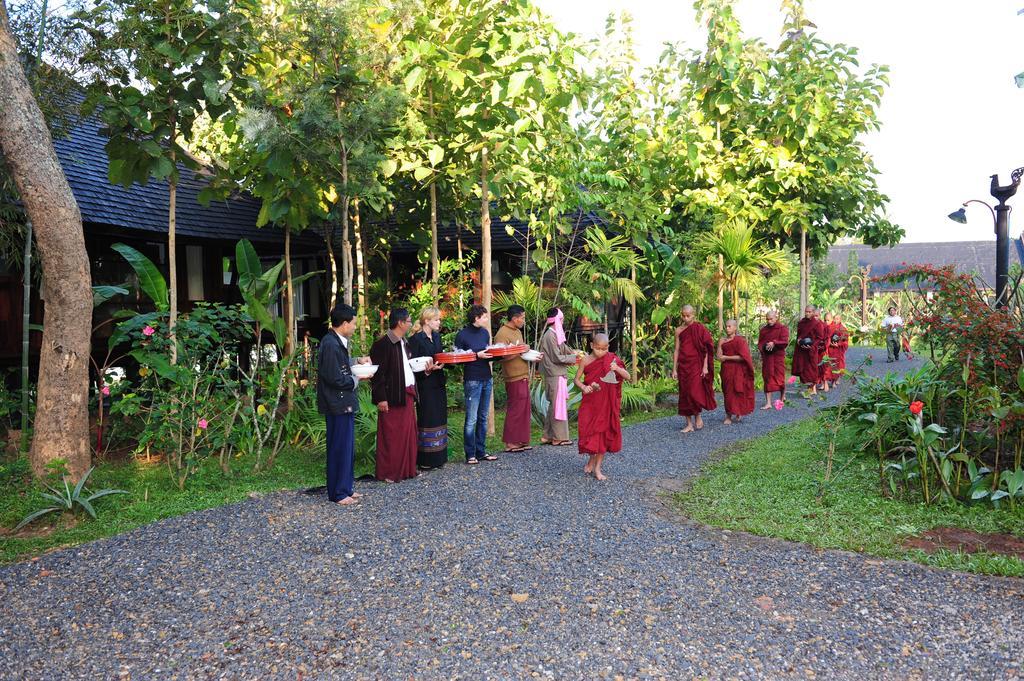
963,437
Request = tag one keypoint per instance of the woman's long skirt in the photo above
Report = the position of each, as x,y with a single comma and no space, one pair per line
432,427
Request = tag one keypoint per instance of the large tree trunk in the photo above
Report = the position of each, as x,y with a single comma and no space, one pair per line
289,294
332,263
61,425
485,234
435,259
485,265
361,273
172,261
803,271
289,315
346,243
721,292
632,329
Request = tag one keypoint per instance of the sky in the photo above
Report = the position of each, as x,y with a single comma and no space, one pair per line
951,117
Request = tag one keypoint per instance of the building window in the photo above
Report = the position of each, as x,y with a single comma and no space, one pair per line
194,267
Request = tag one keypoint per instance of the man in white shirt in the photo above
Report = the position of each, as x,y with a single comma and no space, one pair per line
893,327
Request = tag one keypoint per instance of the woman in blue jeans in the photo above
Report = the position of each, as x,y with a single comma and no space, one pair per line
476,336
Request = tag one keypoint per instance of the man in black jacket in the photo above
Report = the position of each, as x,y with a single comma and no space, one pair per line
336,399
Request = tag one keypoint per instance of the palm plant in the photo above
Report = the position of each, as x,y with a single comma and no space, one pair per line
601,272
742,258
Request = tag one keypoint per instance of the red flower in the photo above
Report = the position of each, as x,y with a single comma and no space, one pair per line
916,407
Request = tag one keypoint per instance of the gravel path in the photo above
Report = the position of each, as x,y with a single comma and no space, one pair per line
515,569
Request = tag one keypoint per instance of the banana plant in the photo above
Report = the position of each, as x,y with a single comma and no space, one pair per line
260,288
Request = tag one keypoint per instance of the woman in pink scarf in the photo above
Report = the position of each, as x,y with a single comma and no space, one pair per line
554,365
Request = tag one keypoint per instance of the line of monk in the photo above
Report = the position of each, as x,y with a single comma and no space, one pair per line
819,361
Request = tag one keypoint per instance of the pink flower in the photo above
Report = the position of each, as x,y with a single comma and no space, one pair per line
779,404
203,423
105,390
792,380
148,330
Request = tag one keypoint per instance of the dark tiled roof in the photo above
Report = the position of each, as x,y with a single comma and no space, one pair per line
970,257
144,207
501,238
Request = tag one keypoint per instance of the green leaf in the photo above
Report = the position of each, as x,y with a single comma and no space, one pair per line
151,281
247,262
422,173
157,363
516,83
413,78
456,78
84,503
101,294
389,167
164,168
81,483
435,155
35,514
467,110
211,89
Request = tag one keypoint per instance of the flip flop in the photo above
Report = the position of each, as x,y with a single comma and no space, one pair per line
562,443
472,462
488,457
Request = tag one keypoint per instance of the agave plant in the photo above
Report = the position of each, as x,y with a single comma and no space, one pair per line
65,500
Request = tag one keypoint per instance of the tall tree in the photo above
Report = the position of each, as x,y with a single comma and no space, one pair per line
772,137
61,425
160,64
513,74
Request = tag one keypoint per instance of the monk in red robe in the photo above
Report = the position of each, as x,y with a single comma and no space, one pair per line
737,374
600,427
827,365
693,363
771,343
838,344
810,344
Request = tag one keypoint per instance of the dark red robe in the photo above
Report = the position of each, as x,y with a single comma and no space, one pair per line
696,392
838,344
773,364
738,378
397,440
600,425
807,359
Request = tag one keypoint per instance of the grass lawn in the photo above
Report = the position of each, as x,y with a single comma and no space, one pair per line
769,488
152,496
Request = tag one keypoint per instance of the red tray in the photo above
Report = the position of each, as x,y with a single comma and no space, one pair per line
508,351
452,358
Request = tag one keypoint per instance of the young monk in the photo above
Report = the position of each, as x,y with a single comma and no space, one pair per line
600,428
693,365
771,343
838,344
737,374
810,340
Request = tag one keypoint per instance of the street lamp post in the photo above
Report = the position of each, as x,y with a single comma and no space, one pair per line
1001,222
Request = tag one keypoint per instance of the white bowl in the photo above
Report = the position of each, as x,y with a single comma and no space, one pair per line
419,363
364,370
530,356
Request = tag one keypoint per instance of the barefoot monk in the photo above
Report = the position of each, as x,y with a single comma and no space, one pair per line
693,365
771,343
